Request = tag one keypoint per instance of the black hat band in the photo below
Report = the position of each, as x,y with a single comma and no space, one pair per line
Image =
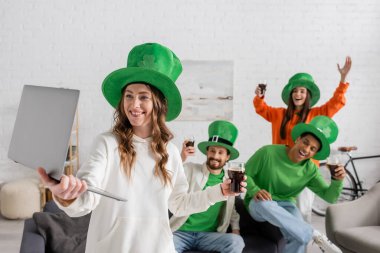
216,138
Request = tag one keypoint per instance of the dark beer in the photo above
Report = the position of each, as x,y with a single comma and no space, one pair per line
332,168
190,143
236,176
262,87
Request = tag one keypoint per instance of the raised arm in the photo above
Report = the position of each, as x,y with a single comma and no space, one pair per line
186,151
259,91
338,100
345,70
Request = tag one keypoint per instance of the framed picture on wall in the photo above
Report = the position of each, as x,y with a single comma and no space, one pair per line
207,90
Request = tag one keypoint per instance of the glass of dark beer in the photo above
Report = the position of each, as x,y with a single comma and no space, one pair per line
333,162
235,172
190,141
263,86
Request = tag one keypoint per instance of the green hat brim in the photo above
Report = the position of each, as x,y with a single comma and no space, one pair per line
311,86
114,83
301,128
202,146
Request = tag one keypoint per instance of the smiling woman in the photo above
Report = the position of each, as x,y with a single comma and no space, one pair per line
138,105
300,94
136,160
300,98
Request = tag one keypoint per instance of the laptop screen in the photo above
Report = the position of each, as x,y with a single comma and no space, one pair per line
43,127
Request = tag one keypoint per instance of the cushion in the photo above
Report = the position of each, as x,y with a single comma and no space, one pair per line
20,198
360,239
61,232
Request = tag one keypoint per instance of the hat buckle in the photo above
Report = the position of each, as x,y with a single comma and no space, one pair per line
215,138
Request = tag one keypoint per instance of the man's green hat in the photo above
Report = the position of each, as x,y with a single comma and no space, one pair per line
149,63
324,128
301,80
221,133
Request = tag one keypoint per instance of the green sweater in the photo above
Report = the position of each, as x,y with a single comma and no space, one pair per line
208,220
271,169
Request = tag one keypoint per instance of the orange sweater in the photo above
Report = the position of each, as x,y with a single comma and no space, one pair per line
276,114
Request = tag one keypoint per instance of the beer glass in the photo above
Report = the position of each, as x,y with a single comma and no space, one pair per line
190,141
333,162
263,86
235,172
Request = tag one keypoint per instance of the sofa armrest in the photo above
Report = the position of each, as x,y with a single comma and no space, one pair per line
32,241
360,212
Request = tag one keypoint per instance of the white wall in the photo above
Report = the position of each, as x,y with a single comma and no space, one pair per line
74,44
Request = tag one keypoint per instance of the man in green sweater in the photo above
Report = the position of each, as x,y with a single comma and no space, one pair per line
277,174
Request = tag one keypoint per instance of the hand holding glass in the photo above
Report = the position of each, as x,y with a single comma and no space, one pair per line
263,86
190,141
235,172
333,162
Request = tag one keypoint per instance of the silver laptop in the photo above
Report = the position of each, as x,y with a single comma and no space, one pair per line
42,130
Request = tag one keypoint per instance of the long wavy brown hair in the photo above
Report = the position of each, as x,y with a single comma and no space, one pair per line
291,110
161,135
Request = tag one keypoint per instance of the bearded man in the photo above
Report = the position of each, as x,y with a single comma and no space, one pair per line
206,231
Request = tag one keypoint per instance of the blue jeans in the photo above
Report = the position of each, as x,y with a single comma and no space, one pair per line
288,218
208,241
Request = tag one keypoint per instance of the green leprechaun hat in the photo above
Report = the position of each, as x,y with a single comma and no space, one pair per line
221,133
149,63
301,80
322,127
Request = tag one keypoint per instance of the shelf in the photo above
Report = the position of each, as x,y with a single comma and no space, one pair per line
72,157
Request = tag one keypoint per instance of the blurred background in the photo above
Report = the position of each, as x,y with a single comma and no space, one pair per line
75,44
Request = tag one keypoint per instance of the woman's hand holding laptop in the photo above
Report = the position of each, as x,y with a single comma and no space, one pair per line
66,190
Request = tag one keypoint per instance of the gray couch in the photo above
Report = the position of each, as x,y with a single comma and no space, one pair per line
355,226
259,237
54,231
